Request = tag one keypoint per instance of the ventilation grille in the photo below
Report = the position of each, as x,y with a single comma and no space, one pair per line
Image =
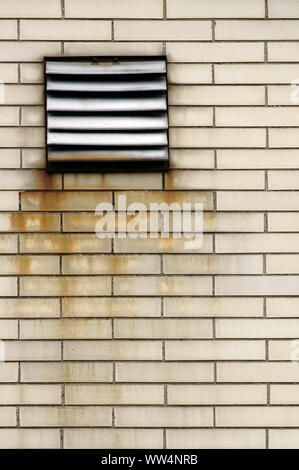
106,113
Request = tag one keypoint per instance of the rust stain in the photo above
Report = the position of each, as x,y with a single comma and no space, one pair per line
210,219
47,181
31,222
24,264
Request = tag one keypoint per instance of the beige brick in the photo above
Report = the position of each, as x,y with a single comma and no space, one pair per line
8,243
149,197
285,394
8,329
9,158
33,116
24,94
8,416
215,9
162,329
283,307
283,438
216,394
29,222
251,201
30,395
215,439
32,351
65,329
212,264
65,286
63,201
117,9
213,179
32,73
258,372
66,416
164,372
113,48
215,52
113,181
94,264
191,158
262,416
283,9
57,30
28,51
257,243
166,285
213,307
169,417
113,350
27,179
283,222
268,328
282,264
9,201
86,222
162,30
282,95
233,222
21,137
30,438
161,245
11,264
189,73
256,73
289,138
66,372
33,158
113,439
9,115
256,30
257,285
214,350
192,116
32,8
62,243
29,308
8,287
257,117
218,137
9,73
114,394
262,158
8,372
282,350
283,179
110,307
282,52
8,29
205,95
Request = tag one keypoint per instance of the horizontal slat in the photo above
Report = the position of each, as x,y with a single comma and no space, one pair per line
106,67
58,84
108,138
150,103
106,122
104,155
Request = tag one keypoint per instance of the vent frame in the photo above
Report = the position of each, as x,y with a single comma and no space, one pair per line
139,164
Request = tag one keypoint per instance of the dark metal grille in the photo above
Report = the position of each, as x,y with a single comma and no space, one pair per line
106,113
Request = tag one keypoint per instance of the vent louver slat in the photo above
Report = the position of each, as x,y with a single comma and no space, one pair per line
106,113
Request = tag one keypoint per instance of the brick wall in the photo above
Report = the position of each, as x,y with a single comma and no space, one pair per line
138,343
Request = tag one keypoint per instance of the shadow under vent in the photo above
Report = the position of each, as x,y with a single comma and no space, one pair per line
106,113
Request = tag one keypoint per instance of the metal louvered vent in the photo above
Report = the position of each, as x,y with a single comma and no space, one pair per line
106,113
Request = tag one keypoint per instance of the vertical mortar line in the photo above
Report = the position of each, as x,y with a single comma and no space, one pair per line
62,8
266,9
112,31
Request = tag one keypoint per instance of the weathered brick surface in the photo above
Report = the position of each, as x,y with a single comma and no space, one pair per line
140,342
